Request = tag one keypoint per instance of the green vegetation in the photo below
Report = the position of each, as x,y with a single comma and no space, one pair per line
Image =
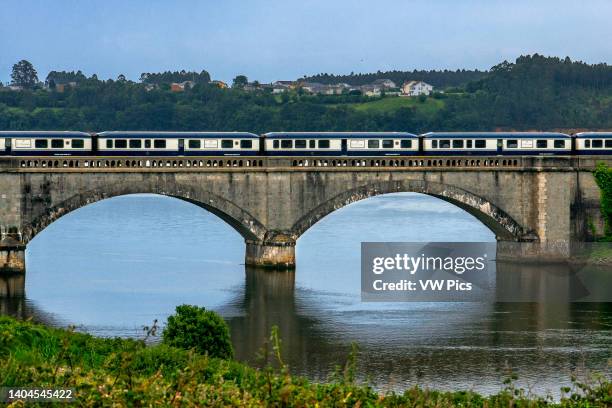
428,107
194,327
118,372
535,92
603,176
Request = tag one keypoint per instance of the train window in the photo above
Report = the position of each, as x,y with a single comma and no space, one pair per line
559,144
19,143
226,144
135,144
406,144
275,144
480,144
387,144
512,144
445,144
159,143
608,143
41,143
57,143
311,144
323,144
458,144
286,144
194,144
109,143
247,144
78,143
434,144
120,143
541,144
468,144
300,144
587,143
373,144
597,144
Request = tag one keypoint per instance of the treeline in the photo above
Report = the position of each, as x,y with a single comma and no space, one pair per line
532,93
439,79
176,76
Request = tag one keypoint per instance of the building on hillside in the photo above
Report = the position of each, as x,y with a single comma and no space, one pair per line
181,86
219,84
325,89
416,88
282,86
384,83
370,90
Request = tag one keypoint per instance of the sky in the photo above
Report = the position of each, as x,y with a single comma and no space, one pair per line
271,40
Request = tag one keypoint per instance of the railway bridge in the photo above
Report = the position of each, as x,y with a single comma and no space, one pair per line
536,206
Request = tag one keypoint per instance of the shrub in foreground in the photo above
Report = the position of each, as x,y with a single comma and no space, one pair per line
204,331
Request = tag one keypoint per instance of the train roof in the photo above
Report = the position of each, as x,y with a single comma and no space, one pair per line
176,135
601,135
344,135
43,133
495,135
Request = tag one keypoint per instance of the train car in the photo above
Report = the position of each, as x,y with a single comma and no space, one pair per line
45,143
177,144
341,144
594,143
496,143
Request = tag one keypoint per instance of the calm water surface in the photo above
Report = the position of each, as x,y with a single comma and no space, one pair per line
118,264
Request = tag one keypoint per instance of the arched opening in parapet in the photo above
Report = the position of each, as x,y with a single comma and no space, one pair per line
124,261
328,253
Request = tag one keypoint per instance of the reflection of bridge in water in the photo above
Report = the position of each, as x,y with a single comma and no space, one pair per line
540,205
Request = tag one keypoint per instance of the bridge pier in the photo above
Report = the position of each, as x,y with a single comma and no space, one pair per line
278,254
12,268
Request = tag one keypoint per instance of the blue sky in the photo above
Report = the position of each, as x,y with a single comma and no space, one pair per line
285,39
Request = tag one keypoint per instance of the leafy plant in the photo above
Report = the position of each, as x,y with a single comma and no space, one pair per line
194,327
603,177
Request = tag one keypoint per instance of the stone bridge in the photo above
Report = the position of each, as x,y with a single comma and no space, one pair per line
536,206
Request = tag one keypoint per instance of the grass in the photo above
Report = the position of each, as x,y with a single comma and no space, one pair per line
119,372
391,103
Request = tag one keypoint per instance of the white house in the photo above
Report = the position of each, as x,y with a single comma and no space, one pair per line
384,83
416,88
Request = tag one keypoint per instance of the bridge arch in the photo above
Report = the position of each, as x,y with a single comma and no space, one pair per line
498,221
242,221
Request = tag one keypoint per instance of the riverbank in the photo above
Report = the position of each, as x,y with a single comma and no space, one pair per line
126,372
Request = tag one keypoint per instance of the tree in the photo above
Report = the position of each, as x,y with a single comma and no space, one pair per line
240,81
193,327
121,78
24,74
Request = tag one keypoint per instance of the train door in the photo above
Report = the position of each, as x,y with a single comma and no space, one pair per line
181,146
500,146
7,145
344,147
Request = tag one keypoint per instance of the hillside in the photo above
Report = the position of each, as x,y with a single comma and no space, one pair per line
533,93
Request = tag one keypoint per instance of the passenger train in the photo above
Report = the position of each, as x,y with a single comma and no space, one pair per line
115,143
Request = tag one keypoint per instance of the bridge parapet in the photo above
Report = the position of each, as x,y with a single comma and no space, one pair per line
254,163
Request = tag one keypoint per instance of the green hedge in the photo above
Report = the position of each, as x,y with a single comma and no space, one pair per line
603,176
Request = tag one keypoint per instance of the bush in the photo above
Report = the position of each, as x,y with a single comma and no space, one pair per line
193,327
